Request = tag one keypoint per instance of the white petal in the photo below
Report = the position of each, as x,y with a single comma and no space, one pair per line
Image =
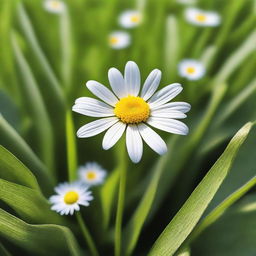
164,95
175,106
112,135
92,107
102,92
132,78
134,143
168,125
117,82
151,84
96,127
152,139
166,113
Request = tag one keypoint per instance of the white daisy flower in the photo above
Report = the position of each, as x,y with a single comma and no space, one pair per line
130,19
202,18
119,40
92,174
126,111
69,197
54,6
186,1
191,69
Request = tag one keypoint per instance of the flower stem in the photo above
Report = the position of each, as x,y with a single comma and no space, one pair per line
87,235
120,204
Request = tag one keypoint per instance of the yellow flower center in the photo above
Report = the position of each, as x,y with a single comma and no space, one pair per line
71,197
132,110
135,18
191,70
55,4
91,175
201,17
113,40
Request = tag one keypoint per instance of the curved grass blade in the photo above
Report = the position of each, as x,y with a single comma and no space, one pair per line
188,216
28,203
38,239
221,208
11,139
13,170
54,85
37,108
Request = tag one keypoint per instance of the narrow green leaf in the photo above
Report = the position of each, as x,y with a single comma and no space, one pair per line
236,59
3,251
12,140
38,239
37,108
28,203
13,170
188,216
208,55
233,234
71,147
184,252
54,85
108,195
171,46
221,208
66,47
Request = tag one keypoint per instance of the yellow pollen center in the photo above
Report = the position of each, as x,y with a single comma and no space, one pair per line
55,4
132,110
113,40
135,18
201,17
191,70
71,197
91,175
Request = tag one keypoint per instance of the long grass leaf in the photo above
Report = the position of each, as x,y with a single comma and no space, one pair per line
188,216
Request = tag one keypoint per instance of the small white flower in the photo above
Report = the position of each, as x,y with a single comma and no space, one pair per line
69,197
186,1
119,40
124,110
191,69
202,18
92,174
130,19
54,6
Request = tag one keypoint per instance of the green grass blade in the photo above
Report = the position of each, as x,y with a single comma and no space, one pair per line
54,85
15,143
37,108
3,250
13,170
221,208
171,46
38,239
188,216
28,203
71,147
236,59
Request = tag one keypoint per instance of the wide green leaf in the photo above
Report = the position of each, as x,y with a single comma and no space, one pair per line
28,203
188,216
38,239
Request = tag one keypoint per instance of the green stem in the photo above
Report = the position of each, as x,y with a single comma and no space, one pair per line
87,235
120,204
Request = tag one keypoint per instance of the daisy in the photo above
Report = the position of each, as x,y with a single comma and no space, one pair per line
130,19
69,197
54,6
119,40
202,18
124,110
191,69
92,174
